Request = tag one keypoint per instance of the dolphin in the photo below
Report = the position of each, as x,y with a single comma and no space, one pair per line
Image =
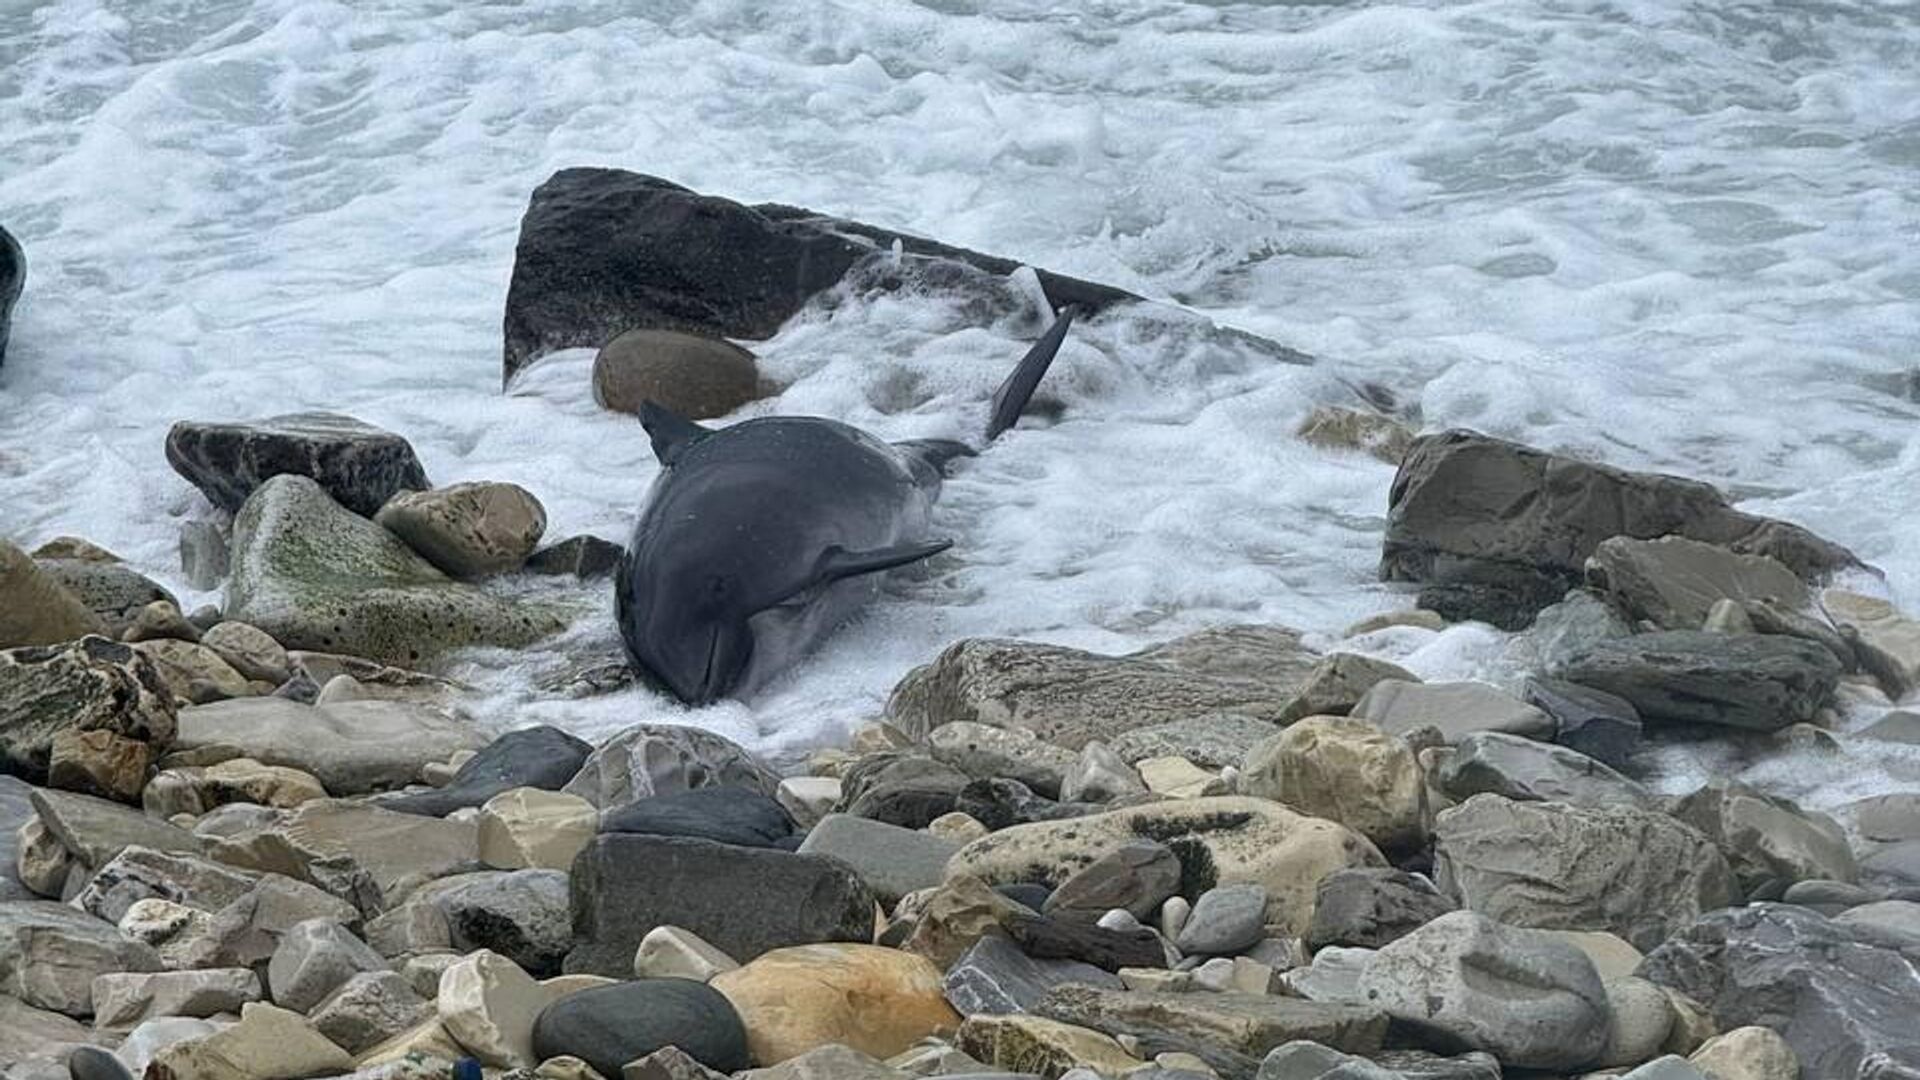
758,540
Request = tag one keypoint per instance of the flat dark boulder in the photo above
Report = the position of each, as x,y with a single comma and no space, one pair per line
1762,682
360,465
1493,525
608,1026
723,815
604,251
537,757
13,278
744,901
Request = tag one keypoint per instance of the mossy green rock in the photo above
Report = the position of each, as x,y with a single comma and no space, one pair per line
314,575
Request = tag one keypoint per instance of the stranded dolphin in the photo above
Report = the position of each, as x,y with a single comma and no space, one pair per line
759,539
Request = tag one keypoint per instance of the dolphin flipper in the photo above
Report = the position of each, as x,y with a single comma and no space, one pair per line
671,433
837,564
1011,399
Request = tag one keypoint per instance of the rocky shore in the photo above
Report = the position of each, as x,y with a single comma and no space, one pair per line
271,841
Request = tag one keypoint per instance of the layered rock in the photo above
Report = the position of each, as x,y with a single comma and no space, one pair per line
86,691
1761,682
352,747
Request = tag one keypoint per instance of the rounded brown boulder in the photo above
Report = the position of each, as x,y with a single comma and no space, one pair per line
878,1001
697,377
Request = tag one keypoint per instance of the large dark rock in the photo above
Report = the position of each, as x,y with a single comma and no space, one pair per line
900,788
13,278
608,1026
1842,998
723,815
1368,907
358,464
1060,939
743,901
1605,727
537,757
605,251
1476,513
1762,682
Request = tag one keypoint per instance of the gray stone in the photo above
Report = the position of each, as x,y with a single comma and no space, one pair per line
900,788
1311,1061
368,856
203,554
1884,641
584,557
121,1000
1770,842
659,759
1673,582
1138,876
37,1038
743,901
1525,998
138,873
1230,1031
313,959
1754,681
1338,682
1636,873
1642,1021
1888,818
1457,709
830,1062
315,576
538,757
892,861
112,590
359,465
1466,508
697,377
368,1009
521,914
1213,741
1830,896
246,932
1068,697
250,650
16,810
667,1063
1333,975
1224,920
1896,921
995,977
95,830
1603,726
351,747
468,530
1100,775
1525,769
1368,907
50,954
90,685
984,752
1897,726
1841,999
1893,866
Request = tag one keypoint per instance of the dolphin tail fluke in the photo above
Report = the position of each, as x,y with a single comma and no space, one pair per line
671,433
1011,399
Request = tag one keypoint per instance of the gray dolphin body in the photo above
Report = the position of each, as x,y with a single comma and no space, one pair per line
758,540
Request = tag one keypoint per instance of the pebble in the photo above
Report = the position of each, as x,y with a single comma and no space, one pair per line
1224,920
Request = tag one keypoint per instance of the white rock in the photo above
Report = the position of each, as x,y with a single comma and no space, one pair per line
668,952
1178,778
527,828
488,1004
808,798
1747,1053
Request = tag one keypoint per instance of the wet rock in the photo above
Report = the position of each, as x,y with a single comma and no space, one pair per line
1338,682
1754,681
315,576
1226,1029
904,789
1886,642
1368,907
582,557
527,828
984,752
1219,841
1769,842
1067,697
743,900
1839,998
125,999
1456,709
603,251
891,860
90,685
1213,741
1637,873
658,759
995,977
1528,1000
611,1025
351,747
696,376
1331,427
358,465
1603,726
1225,920
723,815
1138,876
1466,508
268,1042
1674,582
368,1009
313,959
875,1000
40,609
113,591
1345,770
1526,770
1033,1044
468,530
50,954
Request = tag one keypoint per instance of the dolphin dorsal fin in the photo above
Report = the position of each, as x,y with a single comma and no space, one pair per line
671,433
1011,399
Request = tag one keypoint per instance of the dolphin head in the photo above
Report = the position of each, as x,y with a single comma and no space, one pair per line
687,623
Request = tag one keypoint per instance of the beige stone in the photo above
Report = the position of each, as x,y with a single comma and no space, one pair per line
39,610
488,1004
1245,840
123,999
961,828
269,1043
527,828
696,376
808,798
1693,1025
1612,955
1747,1053
194,673
668,952
468,530
248,781
1178,778
1888,642
42,861
1344,770
99,762
429,1040
953,917
1332,427
1338,682
250,651
160,619
876,1000
1417,618
1047,1047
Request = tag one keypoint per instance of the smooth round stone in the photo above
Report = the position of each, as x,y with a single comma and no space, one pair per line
608,1026
93,1063
1225,919
697,377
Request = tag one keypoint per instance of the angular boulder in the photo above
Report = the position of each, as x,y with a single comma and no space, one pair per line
50,955
1346,770
316,576
351,747
659,759
1527,770
543,758
1067,696
39,608
359,465
1770,842
89,685
1674,582
996,978
1761,682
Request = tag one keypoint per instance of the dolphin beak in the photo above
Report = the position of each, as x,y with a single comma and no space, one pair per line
726,661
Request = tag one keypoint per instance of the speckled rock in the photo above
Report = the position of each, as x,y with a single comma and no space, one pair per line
697,377
112,590
468,530
359,465
314,576
40,610
1345,770
658,759
250,650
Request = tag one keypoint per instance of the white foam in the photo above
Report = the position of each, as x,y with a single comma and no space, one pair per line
1674,237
